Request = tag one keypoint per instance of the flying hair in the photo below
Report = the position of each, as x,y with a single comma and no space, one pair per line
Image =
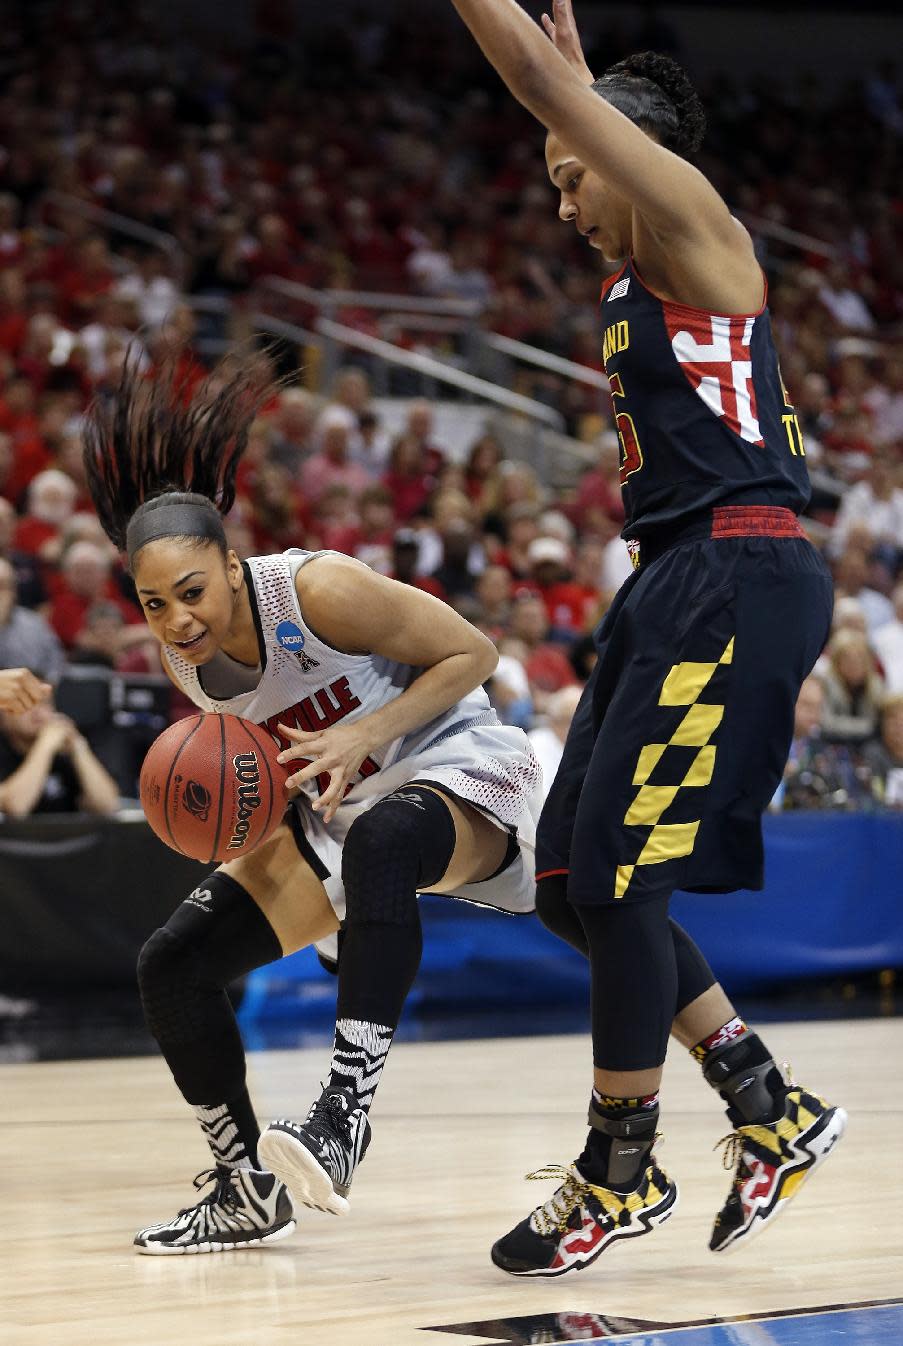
152,446
655,93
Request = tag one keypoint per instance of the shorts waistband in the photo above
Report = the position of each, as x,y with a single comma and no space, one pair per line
724,521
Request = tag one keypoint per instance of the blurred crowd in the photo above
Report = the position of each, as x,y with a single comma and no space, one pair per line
377,158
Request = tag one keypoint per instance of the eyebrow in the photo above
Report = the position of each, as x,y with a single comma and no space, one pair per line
558,167
178,584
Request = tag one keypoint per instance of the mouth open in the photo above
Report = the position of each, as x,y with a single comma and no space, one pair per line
191,644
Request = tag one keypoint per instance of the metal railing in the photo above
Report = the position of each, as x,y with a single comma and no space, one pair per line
121,224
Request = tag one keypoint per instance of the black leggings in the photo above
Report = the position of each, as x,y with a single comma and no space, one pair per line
645,970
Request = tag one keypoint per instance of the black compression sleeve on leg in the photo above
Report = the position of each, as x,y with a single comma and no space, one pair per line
694,976
634,982
399,847
557,914
217,934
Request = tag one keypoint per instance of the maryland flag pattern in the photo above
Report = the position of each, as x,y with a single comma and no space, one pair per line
771,1162
695,731
580,1220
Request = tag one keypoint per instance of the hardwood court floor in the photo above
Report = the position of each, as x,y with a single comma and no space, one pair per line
93,1149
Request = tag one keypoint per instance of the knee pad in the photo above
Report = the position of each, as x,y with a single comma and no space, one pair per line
216,935
399,847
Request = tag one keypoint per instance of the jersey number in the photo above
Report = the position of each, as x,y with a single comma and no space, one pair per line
631,453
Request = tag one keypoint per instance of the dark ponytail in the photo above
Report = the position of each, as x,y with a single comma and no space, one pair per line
655,93
152,445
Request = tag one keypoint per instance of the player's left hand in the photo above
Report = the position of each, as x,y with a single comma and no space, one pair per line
336,753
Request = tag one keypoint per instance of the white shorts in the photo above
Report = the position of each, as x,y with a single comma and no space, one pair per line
486,764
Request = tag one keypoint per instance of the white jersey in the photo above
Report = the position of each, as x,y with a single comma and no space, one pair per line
304,682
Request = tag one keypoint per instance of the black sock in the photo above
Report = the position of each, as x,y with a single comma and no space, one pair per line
621,1135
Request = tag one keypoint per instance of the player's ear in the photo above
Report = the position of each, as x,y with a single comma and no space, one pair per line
234,570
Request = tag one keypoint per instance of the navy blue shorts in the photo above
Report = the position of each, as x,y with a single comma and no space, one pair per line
681,737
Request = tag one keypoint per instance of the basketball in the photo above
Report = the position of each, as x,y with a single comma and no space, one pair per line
211,787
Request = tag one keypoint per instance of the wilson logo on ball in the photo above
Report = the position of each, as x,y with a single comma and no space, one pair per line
247,773
196,799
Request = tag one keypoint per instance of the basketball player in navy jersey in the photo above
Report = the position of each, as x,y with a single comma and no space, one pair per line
682,734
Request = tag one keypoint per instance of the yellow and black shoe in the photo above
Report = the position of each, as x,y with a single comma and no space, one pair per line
580,1220
771,1161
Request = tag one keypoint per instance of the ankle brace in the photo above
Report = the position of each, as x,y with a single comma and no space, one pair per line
746,1077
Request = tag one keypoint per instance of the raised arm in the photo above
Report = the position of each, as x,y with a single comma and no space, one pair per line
673,197
562,31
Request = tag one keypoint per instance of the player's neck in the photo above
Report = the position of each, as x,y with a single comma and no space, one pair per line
241,641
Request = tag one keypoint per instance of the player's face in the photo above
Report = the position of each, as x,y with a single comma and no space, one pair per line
189,594
600,214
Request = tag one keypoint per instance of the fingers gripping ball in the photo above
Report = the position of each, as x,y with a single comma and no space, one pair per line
211,787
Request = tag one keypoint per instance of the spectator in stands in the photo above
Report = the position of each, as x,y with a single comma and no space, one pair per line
370,537
332,464
51,502
418,439
548,738
885,757
509,687
493,590
106,639
29,581
598,507
853,690
888,645
406,562
457,570
293,428
874,506
87,579
482,470
519,528
851,577
25,637
819,774
844,301
151,289
47,766
548,669
408,479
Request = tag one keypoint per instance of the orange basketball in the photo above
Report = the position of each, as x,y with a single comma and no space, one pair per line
211,787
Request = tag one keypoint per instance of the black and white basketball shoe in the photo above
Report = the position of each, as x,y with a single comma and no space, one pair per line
316,1158
245,1209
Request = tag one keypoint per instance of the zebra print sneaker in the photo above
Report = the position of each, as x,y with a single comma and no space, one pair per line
246,1208
316,1158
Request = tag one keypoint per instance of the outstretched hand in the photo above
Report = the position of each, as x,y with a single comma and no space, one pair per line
335,753
562,31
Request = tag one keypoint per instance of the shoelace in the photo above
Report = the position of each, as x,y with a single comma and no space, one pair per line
732,1144
731,1147
553,1215
327,1115
223,1194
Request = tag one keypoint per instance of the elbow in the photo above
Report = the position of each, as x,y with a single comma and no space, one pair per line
488,657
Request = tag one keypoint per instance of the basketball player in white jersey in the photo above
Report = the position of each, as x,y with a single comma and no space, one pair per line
405,782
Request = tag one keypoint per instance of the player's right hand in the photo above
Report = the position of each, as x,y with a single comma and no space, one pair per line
20,690
562,31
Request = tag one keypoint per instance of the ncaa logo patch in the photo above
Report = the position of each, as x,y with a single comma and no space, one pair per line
290,637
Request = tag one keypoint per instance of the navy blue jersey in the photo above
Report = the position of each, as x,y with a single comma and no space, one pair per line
701,410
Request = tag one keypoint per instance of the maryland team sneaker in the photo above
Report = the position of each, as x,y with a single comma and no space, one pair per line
245,1210
316,1158
771,1161
580,1220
